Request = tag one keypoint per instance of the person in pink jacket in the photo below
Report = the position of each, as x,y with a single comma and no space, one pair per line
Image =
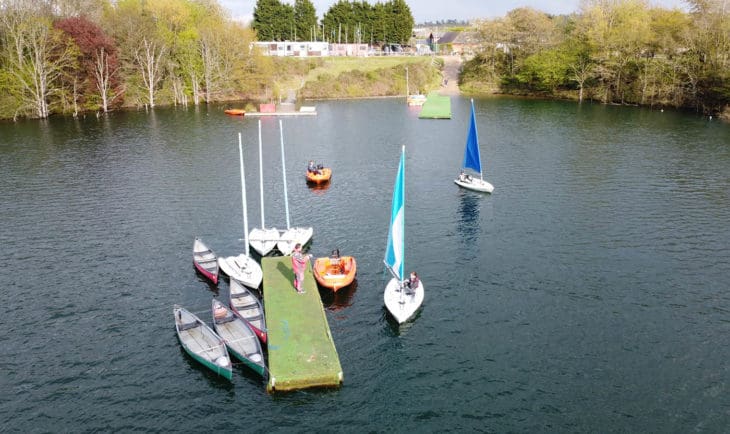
298,264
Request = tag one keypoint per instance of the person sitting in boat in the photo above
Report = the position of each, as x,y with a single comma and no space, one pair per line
412,282
463,177
335,258
313,168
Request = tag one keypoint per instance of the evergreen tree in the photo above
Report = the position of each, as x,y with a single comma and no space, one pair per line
266,19
305,17
401,20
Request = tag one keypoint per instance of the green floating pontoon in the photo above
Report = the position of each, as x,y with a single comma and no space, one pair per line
302,353
436,107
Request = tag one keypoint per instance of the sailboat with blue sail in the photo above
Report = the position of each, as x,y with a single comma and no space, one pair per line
473,161
401,298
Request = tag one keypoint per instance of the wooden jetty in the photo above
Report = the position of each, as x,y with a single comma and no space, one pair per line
436,107
302,353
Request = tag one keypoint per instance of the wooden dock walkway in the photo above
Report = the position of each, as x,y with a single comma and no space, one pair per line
302,353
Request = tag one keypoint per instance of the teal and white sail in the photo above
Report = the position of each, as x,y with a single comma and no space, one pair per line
396,235
472,160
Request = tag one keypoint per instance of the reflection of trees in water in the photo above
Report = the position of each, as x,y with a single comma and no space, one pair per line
340,299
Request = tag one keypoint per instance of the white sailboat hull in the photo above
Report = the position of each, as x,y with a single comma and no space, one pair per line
291,237
475,184
402,303
242,268
263,240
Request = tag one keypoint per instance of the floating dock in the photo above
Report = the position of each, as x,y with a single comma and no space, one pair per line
436,107
284,110
281,114
302,353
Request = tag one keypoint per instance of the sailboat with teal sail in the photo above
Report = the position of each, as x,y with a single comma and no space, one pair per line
473,161
401,299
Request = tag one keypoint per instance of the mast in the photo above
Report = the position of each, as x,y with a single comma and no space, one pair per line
407,90
261,178
403,220
243,197
283,172
476,135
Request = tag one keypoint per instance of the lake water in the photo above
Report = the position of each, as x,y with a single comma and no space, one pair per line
588,293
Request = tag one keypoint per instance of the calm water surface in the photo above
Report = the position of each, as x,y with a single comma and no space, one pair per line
589,293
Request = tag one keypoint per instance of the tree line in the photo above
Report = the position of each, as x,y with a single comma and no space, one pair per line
344,22
69,56
75,55
613,51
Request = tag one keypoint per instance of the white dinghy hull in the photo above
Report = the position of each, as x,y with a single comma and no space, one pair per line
293,236
476,184
263,240
402,303
242,268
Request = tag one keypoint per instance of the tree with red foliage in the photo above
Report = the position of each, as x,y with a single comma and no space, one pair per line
99,62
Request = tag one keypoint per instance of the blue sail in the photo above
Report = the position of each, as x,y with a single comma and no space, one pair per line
396,235
472,160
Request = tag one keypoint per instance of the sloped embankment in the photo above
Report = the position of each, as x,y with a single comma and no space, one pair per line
389,81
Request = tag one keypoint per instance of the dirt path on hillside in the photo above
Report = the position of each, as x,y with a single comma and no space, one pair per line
450,84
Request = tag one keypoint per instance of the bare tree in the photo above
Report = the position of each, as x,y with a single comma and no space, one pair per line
103,74
148,58
36,56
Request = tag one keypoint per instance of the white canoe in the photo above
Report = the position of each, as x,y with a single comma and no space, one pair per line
401,302
242,268
239,338
201,342
249,307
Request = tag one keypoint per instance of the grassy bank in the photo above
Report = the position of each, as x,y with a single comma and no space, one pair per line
349,77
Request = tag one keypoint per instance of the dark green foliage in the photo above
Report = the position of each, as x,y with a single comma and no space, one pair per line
305,17
389,22
273,20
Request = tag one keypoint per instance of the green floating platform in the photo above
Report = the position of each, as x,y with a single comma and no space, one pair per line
436,107
302,353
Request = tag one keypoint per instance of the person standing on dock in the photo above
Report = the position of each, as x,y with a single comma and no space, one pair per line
298,264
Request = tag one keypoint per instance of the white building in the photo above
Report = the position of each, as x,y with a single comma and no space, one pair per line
311,49
297,49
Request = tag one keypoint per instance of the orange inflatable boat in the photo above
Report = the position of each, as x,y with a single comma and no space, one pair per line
335,273
320,176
